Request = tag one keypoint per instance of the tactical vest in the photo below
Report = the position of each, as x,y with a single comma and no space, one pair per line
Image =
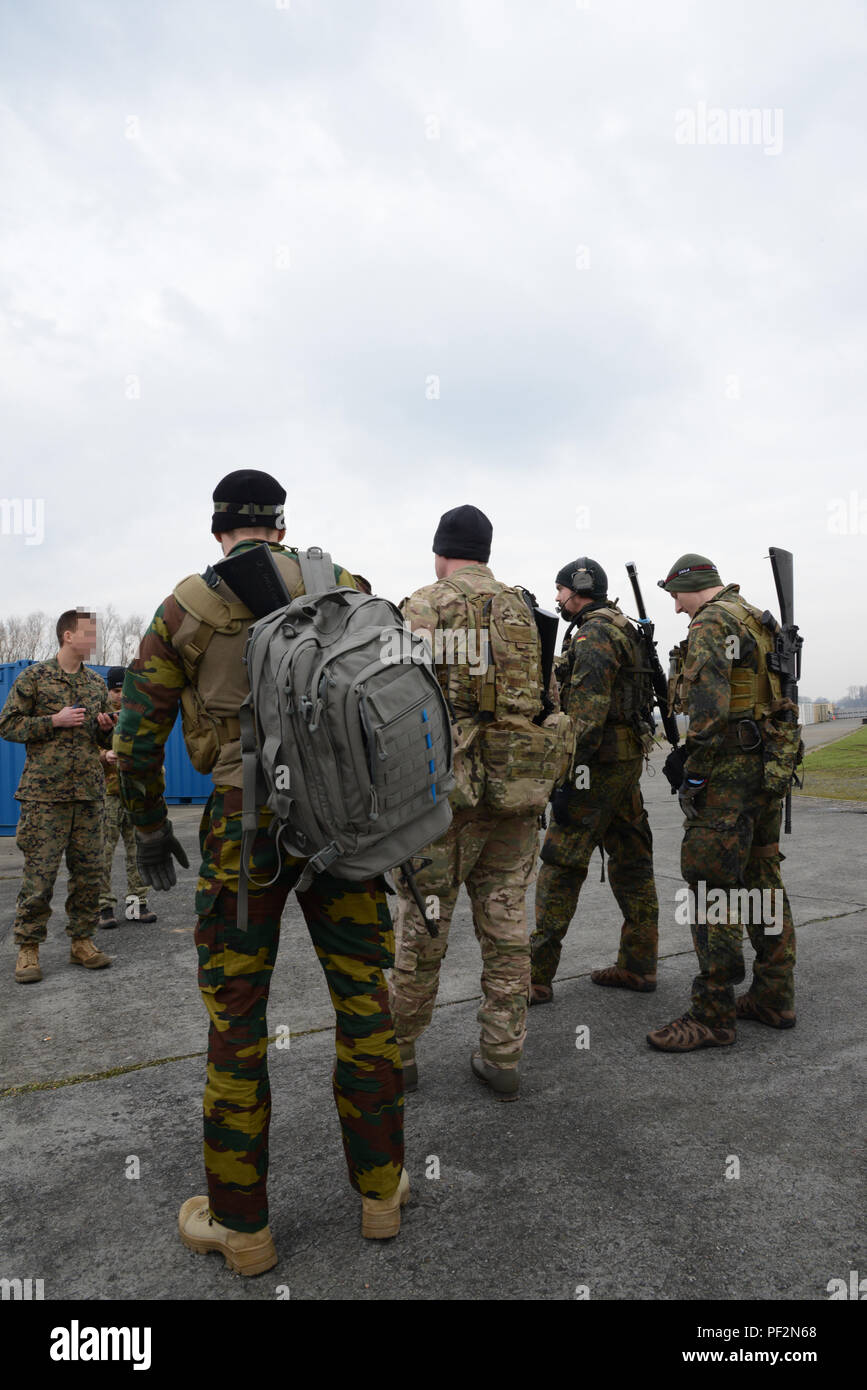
629,721
210,642
755,693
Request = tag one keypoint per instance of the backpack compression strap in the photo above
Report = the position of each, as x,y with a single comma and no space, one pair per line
317,570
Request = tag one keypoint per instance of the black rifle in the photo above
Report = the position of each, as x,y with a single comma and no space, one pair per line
657,675
785,659
254,578
547,625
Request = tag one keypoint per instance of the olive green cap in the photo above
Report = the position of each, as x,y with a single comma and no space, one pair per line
689,574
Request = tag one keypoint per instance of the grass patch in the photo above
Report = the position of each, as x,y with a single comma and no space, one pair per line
839,769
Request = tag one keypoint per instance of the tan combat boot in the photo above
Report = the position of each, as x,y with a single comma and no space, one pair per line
27,970
503,1081
619,978
380,1217
246,1252
83,952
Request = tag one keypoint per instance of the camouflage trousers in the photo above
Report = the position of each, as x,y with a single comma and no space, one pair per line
733,844
609,811
351,931
495,857
47,829
117,822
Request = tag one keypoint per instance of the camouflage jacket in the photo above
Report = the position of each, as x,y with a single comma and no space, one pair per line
151,698
707,680
601,688
61,764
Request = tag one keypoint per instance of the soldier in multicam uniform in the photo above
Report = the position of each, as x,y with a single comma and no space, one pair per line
117,823
732,821
493,854
193,655
605,688
60,710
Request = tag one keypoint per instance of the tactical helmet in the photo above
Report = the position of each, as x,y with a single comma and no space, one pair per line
585,577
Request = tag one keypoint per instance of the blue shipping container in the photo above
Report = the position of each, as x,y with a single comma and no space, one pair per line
184,785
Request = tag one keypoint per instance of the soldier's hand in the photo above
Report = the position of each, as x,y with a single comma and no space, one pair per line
560,805
70,717
154,850
106,721
688,794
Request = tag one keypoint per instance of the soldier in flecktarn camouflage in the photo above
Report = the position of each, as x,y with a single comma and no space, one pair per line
734,770
60,710
491,851
605,688
118,825
192,655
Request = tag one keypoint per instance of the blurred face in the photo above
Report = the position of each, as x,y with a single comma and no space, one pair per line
82,642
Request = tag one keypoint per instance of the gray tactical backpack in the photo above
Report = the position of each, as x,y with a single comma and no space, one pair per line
345,734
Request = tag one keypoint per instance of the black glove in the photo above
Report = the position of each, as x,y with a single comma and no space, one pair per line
673,766
689,793
154,850
560,806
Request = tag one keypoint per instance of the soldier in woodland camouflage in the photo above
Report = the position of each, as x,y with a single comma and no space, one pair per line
492,853
732,809
60,710
192,655
605,689
117,825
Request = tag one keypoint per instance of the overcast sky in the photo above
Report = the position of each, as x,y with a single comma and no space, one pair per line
240,233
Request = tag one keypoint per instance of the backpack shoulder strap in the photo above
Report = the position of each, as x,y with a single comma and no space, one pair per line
317,569
205,612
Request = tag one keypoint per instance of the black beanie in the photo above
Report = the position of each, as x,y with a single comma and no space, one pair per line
248,498
464,533
114,677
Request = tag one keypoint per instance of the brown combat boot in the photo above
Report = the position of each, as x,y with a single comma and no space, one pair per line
246,1252
541,994
624,979
83,952
747,1008
686,1034
27,970
380,1217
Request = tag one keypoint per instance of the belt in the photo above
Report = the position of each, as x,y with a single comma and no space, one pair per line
743,734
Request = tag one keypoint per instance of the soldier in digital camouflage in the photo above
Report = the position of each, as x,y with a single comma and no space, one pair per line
605,688
733,770
118,825
491,852
192,655
60,710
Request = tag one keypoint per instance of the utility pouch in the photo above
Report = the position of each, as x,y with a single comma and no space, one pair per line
782,750
521,762
200,731
469,770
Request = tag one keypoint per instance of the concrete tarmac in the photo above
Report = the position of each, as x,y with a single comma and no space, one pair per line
633,1174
